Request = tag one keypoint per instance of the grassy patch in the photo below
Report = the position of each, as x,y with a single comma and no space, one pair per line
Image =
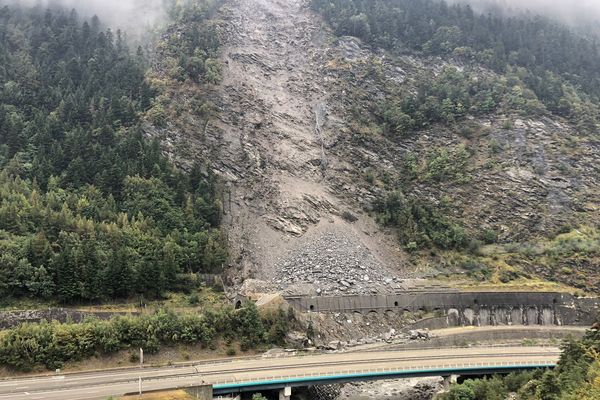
170,395
565,262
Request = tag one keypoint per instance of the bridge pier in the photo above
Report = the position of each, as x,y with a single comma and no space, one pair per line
448,380
446,383
285,393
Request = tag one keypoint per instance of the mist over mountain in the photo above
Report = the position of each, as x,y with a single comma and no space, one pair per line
134,16
573,12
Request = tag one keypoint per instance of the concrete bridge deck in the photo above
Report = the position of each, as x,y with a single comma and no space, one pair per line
254,374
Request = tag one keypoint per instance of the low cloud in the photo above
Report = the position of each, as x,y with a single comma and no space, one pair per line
570,11
133,16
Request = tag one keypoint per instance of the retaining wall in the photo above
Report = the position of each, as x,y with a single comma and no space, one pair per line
467,308
9,319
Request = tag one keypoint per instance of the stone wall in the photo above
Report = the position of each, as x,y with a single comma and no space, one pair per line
204,392
467,308
9,319
538,335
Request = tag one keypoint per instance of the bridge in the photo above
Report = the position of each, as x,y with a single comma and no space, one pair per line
281,373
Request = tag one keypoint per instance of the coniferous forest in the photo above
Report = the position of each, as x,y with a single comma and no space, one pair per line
90,209
547,67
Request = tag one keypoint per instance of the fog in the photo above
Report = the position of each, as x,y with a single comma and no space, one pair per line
136,16
574,12
132,16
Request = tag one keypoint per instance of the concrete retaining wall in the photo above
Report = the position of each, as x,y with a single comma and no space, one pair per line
467,308
499,335
9,319
201,392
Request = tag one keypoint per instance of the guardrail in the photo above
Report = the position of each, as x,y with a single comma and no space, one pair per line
285,354
397,348
434,370
289,355
371,373
234,384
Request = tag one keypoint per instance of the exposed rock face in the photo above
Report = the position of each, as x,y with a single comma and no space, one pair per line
297,162
275,127
534,181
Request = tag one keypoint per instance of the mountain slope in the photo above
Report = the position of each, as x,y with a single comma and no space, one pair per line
271,138
325,174
90,210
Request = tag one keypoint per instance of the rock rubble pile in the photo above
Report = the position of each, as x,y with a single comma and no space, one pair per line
335,264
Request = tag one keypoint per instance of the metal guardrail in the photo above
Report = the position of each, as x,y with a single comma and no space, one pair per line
343,374
397,347
436,369
289,355
174,365
354,372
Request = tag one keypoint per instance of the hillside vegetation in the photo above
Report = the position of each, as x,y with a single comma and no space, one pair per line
577,376
90,209
51,345
387,140
556,65
481,135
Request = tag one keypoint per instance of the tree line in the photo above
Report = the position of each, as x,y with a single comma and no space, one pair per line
51,344
90,209
576,377
550,67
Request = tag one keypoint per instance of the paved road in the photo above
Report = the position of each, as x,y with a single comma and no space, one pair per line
100,385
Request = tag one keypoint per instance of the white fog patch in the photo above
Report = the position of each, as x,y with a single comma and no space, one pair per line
132,16
569,11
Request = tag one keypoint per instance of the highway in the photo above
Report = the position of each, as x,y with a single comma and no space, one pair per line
101,385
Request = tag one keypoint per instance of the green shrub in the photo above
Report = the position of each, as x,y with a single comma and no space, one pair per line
494,147
194,299
52,344
445,165
420,224
134,357
507,124
489,236
507,276
476,269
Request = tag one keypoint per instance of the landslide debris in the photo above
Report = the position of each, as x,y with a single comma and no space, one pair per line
294,137
272,139
335,263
